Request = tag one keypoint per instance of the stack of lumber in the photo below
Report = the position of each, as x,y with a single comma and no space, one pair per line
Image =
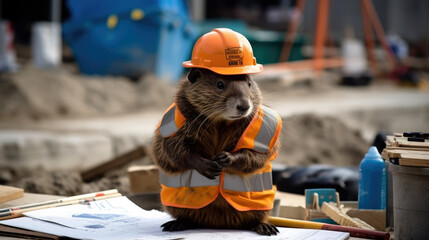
408,149
338,213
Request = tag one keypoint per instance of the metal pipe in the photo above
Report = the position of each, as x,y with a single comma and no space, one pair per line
320,35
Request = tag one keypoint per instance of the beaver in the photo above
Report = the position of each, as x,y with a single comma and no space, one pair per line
217,109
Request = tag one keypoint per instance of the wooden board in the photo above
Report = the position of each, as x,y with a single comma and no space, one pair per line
398,153
335,213
417,157
416,160
403,142
29,198
407,148
407,143
8,193
18,233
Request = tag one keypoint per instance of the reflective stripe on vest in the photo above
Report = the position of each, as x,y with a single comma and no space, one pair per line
171,122
191,178
252,183
267,130
262,132
168,125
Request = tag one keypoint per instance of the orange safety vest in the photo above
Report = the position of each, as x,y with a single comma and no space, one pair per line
254,191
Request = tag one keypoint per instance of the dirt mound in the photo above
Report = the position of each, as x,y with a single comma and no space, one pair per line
310,139
69,183
35,93
153,93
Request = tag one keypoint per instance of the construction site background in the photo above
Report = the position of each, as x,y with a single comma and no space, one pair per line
56,122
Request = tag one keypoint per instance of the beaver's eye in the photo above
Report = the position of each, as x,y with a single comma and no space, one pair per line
250,83
220,85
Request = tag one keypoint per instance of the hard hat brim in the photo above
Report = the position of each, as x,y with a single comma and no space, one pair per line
228,70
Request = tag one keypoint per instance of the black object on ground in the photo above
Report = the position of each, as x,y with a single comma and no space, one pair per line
416,135
354,81
296,179
415,139
380,141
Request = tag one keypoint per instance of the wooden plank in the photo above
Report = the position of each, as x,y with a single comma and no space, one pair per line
393,141
13,233
403,142
99,170
398,153
8,193
414,156
29,198
331,210
407,148
417,157
413,144
416,160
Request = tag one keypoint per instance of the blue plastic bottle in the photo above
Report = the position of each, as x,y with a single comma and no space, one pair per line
372,181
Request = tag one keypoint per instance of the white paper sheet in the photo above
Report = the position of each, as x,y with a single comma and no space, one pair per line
119,218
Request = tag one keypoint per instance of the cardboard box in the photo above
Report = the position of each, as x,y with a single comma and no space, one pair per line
144,179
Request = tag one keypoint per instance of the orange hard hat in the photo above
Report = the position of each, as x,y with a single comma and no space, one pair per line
225,52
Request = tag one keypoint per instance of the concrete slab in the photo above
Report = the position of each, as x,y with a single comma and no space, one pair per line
52,150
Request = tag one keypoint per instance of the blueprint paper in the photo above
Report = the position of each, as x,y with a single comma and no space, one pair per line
119,218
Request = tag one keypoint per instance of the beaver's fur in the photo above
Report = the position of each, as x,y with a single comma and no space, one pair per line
205,142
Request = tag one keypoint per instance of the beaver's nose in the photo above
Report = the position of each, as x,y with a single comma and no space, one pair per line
243,106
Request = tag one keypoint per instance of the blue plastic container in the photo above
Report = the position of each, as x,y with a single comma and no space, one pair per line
372,181
107,39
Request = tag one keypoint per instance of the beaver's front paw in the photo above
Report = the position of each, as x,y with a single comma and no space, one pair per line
209,169
266,229
223,159
177,225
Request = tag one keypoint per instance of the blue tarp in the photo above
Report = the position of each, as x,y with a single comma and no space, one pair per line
158,42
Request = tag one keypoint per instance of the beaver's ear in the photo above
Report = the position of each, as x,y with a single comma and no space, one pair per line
194,75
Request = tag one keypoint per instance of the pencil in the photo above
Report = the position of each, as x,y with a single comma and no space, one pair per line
353,231
19,212
67,199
